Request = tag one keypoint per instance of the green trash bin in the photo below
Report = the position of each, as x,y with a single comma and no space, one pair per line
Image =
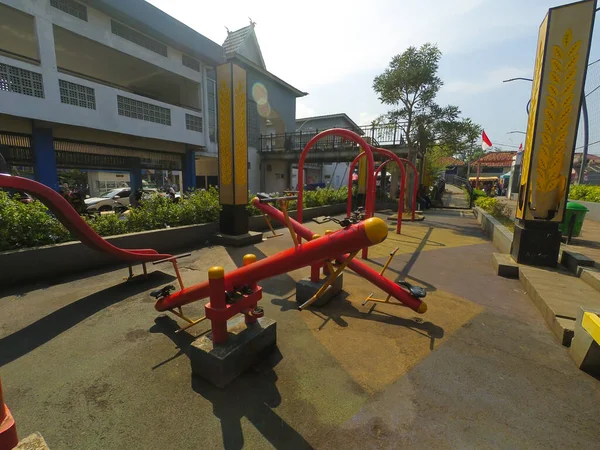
575,212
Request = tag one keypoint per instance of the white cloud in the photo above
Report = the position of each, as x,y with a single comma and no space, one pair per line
304,111
321,42
487,81
366,118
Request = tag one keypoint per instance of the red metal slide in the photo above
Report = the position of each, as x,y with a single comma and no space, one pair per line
73,222
383,283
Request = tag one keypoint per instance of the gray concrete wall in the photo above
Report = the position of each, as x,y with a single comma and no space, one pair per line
51,261
280,99
500,236
594,209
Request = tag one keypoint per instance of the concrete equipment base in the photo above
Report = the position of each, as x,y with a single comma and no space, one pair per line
305,289
585,350
573,260
221,364
229,240
505,266
34,441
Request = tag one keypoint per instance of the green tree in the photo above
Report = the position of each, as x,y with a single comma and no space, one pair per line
410,85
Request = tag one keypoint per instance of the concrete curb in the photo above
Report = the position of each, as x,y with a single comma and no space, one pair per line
50,261
500,236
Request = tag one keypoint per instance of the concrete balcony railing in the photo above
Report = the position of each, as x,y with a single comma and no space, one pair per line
32,91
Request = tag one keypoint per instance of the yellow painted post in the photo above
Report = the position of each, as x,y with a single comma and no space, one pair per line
233,148
559,77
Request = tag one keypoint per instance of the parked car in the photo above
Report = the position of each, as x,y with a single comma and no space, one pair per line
112,199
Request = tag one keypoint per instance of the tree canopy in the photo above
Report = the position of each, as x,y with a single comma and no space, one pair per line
410,85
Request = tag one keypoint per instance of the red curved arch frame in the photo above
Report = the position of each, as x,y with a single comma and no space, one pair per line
393,157
415,183
350,135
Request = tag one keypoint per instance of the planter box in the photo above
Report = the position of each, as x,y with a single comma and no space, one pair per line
37,263
500,236
51,261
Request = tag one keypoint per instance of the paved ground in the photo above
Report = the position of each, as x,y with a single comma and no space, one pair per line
455,197
91,365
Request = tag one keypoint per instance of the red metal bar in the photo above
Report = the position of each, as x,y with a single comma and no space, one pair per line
369,232
250,259
218,302
398,161
351,136
357,266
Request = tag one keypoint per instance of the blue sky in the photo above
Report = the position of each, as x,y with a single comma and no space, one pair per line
334,49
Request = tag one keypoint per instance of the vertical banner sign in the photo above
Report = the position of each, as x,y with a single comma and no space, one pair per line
240,137
233,140
558,86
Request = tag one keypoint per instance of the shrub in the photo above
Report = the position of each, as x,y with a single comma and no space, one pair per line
28,225
488,204
585,193
107,224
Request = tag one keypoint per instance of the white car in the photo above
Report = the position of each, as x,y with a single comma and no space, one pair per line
107,201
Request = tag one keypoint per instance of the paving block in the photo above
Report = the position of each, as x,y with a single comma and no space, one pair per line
558,296
34,441
221,364
572,261
585,348
305,289
591,277
505,265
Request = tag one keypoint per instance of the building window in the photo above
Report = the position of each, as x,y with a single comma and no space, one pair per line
190,62
138,38
71,7
253,124
77,95
135,109
212,109
193,123
21,81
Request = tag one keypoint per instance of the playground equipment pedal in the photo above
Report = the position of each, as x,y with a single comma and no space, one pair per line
283,204
416,291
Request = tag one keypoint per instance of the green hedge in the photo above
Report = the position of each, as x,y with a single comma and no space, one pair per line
585,193
29,225
500,211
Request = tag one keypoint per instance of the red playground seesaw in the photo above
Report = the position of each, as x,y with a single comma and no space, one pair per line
238,292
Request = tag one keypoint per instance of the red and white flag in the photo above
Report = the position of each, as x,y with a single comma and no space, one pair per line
486,144
520,147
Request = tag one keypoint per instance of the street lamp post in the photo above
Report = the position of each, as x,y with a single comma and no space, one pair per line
586,129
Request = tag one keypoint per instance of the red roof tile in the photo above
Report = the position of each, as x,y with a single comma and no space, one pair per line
496,159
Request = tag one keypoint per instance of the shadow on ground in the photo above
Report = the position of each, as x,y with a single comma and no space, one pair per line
47,328
340,307
276,285
253,395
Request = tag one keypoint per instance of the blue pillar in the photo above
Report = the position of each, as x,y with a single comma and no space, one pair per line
44,158
189,170
135,174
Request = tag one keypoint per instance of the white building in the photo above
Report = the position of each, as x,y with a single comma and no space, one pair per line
114,85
